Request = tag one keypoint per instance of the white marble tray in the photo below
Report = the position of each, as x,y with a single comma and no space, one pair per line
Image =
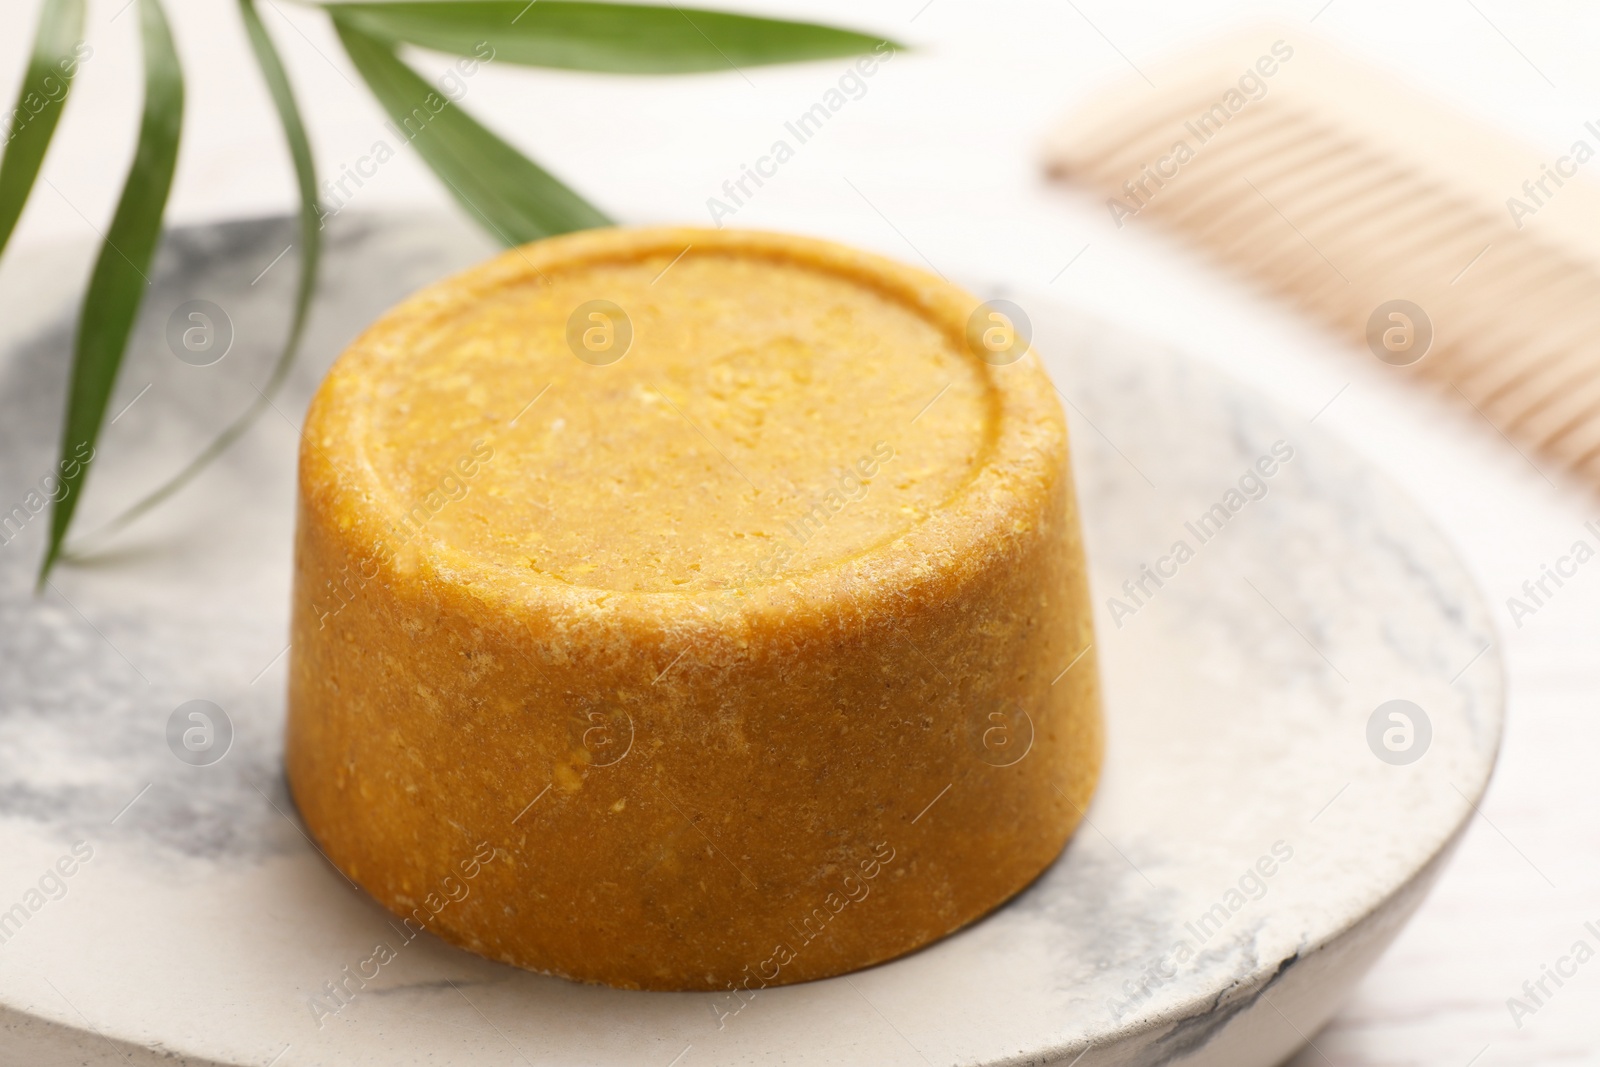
1239,698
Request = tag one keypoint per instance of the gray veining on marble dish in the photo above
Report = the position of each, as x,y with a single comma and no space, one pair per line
1238,694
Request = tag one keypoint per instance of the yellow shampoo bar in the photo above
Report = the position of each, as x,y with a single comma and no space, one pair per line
688,609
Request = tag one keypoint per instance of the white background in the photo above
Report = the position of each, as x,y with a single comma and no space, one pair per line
938,162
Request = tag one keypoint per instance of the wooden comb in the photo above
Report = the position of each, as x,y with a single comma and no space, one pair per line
1399,223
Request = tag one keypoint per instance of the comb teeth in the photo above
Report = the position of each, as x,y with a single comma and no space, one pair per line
1340,190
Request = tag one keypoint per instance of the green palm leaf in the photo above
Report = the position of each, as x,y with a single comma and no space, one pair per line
32,121
510,194
617,38
117,285
294,131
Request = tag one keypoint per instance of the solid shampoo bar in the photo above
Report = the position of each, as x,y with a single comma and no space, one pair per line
690,609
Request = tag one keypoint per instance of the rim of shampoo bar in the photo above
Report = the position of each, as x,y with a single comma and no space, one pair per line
690,609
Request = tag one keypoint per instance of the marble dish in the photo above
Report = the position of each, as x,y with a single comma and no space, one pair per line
1303,705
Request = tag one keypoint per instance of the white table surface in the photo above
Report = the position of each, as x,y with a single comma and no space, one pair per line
937,163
